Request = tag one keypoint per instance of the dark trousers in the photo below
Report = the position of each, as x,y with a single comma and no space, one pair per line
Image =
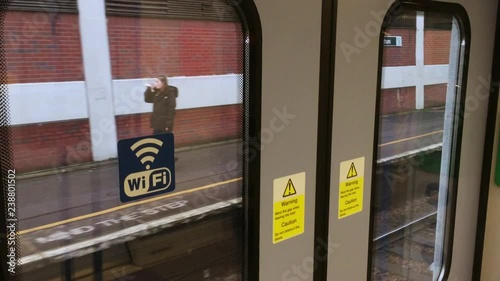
160,131
157,132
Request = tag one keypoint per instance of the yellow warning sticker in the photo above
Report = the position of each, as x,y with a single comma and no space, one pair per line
351,187
289,206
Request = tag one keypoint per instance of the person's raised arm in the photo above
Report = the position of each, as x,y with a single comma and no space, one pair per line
149,94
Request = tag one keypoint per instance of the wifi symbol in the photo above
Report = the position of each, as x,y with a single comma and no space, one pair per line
147,154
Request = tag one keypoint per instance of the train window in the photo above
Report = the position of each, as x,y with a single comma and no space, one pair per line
419,126
79,74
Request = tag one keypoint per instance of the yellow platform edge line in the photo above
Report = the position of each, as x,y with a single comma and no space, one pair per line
411,138
127,206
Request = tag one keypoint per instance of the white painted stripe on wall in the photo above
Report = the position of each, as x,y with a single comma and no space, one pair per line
406,76
398,77
49,102
194,92
437,74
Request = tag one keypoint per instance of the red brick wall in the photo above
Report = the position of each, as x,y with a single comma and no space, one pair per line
401,56
436,51
435,95
391,102
437,46
146,47
49,145
192,126
42,49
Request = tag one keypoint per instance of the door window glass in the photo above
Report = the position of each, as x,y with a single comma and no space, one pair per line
418,132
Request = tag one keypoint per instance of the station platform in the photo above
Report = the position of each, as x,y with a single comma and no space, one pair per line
71,213
79,211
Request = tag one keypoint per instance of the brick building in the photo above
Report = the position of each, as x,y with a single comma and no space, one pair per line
203,58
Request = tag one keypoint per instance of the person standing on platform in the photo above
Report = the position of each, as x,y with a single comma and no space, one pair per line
163,97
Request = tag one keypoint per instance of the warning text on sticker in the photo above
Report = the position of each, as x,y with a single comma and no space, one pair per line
350,197
288,218
286,203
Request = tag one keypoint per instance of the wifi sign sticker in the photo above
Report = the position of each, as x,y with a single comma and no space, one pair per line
146,166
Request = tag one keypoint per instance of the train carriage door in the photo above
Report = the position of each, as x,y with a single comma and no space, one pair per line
124,132
291,40
410,97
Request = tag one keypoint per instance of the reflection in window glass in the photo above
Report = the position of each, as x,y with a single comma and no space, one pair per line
80,79
417,133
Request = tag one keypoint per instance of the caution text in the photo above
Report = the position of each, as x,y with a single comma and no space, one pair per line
350,197
288,218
